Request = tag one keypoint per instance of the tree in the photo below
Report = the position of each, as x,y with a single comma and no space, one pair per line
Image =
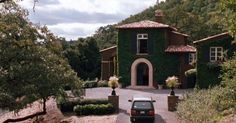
84,57
228,7
31,66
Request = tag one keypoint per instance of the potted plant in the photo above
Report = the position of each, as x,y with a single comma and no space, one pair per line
172,82
113,83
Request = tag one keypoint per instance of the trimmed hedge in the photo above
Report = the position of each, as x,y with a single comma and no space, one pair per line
68,105
90,84
93,101
91,109
102,84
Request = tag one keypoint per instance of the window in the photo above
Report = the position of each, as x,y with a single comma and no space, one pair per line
216,54
191,58
142,105
142,43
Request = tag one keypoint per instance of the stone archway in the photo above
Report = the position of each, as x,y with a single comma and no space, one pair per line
134,72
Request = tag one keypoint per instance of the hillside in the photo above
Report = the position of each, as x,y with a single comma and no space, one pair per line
197,18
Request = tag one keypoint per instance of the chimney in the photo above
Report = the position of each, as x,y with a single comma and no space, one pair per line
159,16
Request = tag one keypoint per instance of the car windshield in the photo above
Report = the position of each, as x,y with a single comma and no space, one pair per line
142,105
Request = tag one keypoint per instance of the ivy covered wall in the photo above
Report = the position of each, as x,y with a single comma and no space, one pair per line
207,72
164,64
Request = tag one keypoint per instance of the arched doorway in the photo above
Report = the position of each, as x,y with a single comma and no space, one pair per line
142,73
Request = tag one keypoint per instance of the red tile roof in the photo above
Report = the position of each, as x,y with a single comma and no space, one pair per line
180,48
212,38
144,24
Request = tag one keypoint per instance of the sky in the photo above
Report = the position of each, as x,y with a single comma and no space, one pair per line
81,18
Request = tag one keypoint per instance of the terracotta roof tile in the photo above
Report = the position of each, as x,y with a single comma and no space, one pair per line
144,24
180,48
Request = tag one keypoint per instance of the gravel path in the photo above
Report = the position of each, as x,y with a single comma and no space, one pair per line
162,114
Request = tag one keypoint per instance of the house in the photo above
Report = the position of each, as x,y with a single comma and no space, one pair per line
211,52
148,52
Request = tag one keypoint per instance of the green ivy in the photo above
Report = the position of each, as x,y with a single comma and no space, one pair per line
164,64
208,73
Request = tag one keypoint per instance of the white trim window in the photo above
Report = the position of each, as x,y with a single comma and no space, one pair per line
142,43
216,54
192,58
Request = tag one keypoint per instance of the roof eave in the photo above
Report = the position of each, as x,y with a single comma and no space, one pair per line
210,38
109,48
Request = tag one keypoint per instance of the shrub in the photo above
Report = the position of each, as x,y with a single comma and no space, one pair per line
191,73
67,87
90,84
103,84
93,101
206,106
67,105
91,109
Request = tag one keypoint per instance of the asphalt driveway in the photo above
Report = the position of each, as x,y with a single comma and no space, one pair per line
161,112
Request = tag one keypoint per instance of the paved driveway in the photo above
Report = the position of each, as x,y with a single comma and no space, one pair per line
162,114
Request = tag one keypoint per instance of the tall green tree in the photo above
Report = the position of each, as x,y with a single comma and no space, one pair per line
228,7
84,57
31,66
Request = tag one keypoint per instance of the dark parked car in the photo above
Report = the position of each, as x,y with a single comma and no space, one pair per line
142,109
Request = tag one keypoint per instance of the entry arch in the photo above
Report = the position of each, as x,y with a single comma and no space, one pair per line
134,72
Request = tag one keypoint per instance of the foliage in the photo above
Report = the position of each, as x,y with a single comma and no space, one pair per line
172,82
113,82
197,18
93,101
32,67
84,57
191,73
90,84
207,106
91,109
229,72
228,8
106,36
103,83
207,72
198,107
67,105
157,56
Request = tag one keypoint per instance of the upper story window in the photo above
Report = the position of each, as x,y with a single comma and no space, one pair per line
191,58
142,43
216,54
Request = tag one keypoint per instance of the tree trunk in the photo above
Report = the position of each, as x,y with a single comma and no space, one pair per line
29,116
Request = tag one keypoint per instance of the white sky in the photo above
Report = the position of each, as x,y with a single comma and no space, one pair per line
80,18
